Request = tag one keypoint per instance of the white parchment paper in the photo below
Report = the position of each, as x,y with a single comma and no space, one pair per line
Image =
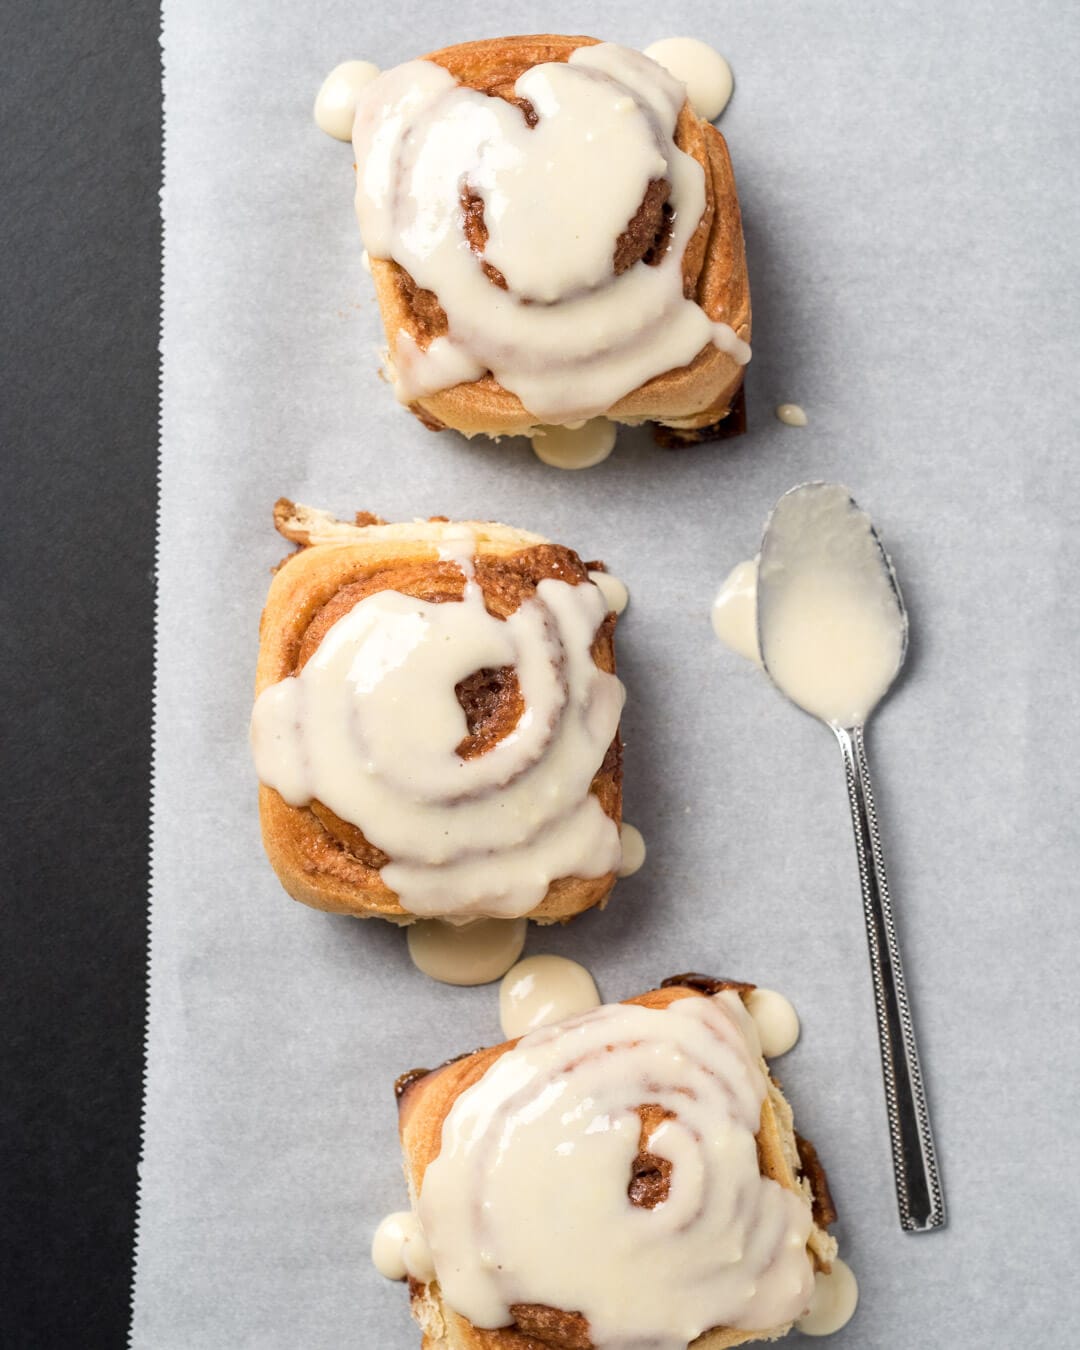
909,181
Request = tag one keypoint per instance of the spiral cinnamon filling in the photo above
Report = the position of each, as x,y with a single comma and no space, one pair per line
492,703
644,240
649,231
650,1173
812,1170
552,1327
428,315
476,232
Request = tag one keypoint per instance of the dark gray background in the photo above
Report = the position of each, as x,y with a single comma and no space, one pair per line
81,155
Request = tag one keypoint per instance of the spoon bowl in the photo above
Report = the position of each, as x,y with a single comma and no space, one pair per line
832,626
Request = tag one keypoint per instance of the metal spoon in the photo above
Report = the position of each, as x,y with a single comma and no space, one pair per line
832,629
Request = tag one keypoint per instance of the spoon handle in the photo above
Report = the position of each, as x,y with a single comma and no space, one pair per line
918,1184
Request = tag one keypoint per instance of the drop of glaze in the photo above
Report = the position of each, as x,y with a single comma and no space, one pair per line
335,103
776,1021
791,415
575,447
541,990
615,594
633,850
466,953
836,1296
706,74
399,1248
734,611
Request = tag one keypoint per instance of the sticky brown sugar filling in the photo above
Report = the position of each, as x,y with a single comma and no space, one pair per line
550,1328
492,703
646,237
650,1175
474,227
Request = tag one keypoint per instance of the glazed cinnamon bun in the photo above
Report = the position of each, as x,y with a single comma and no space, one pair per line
630,1176
554,236
436,722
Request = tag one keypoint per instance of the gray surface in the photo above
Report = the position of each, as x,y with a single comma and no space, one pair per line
909,181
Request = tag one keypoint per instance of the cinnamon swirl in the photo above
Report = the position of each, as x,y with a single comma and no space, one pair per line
628,1177
554,235
436,722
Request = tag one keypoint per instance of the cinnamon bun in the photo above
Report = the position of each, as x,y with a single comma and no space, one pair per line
630,1176
554,236
436,722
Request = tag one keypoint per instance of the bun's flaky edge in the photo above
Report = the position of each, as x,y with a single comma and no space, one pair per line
426,1098
687,399
312,866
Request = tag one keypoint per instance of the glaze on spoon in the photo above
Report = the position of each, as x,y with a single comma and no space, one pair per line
832,632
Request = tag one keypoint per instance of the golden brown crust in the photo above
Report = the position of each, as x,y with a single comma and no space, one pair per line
714,271
319,858
425,1099
730,425
707,984
812,1170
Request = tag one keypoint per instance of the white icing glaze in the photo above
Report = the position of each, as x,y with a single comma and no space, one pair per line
776,1020
791,414
416,371
577,447
399,1248
734,611
605,131
633,850
835,1298
466,953
614,591
704,72
834,634
550,1133
542,990
371,724
335,103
